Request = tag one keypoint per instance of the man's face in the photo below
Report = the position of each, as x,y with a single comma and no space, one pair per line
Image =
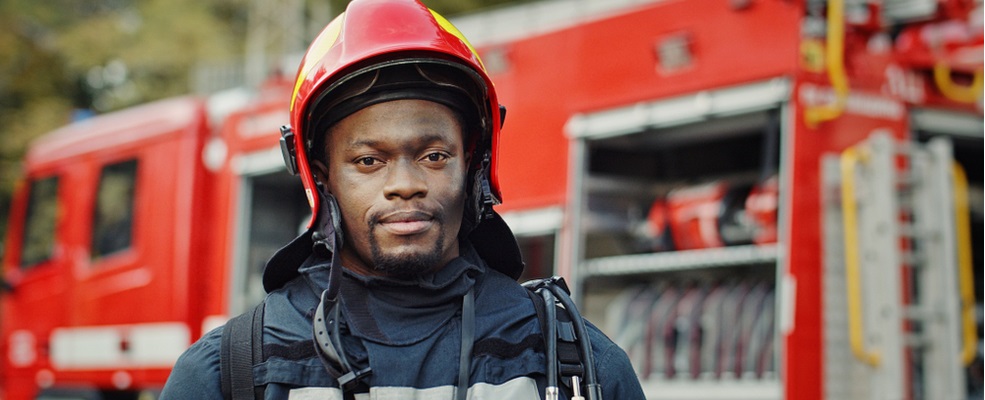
398,171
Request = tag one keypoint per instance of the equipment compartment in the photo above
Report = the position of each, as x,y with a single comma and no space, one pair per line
679,249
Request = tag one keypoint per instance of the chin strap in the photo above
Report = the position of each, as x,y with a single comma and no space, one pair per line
487,199
327,321
323,246
328,343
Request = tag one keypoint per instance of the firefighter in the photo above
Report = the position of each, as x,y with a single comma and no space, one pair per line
404,284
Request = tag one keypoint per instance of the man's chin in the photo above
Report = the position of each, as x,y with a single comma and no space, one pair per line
407,263
408,256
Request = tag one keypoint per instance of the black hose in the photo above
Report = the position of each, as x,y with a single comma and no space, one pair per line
594,391
551,336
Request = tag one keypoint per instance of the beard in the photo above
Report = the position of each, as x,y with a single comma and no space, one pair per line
405,266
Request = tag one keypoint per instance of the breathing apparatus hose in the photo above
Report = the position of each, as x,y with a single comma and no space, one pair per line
594,390
551,393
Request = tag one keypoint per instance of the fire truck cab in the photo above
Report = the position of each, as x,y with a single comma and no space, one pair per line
107,245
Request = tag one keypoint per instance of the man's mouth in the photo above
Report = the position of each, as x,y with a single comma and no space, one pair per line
405,223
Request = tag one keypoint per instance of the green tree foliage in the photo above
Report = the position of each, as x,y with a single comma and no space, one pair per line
58,57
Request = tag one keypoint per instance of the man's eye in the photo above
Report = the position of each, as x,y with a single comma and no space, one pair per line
366,161
435,157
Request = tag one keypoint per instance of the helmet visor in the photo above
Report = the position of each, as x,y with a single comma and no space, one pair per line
432,80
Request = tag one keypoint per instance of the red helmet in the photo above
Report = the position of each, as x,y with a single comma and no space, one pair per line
381,50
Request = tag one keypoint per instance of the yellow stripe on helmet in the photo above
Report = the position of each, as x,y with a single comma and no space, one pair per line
317,51
447,26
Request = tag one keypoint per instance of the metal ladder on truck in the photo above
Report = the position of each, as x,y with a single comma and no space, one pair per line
898,285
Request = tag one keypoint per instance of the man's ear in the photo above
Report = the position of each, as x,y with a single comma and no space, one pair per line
320,171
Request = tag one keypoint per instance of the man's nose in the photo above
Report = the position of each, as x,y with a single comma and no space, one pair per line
405,179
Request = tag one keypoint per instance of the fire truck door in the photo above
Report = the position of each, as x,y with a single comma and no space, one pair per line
894,318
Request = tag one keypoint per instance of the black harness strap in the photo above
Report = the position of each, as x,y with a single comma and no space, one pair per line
241,348
568,355
468,341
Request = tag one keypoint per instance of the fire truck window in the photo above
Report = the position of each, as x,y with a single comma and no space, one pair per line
39,228
278,213
112,228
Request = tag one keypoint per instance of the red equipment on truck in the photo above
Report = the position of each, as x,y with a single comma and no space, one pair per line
831,258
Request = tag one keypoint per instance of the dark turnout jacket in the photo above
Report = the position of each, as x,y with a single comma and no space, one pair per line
409,334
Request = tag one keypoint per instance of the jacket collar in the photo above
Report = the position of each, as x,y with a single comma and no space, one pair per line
402,312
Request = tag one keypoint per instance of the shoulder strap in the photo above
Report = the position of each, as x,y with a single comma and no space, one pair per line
241,348
568,355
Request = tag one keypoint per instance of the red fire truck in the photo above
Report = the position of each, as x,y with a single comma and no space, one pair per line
757,199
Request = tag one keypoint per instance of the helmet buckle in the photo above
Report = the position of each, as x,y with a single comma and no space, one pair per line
287,149
488,199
